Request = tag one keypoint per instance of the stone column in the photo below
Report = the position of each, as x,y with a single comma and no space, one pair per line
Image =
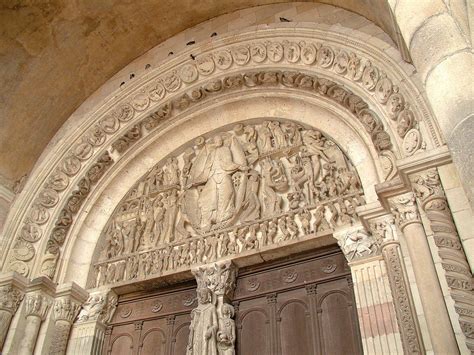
383,229
69,298
432,200
12,288
437,318
215,286
377,319
38,300
88,333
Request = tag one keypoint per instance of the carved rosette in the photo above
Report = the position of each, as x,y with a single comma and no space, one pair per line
37,305
405,210
430,194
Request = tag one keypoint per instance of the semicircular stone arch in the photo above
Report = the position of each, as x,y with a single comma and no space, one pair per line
397,126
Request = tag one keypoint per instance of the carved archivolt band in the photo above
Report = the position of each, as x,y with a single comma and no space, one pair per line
319,56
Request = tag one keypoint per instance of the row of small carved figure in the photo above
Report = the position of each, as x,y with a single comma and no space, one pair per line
224,243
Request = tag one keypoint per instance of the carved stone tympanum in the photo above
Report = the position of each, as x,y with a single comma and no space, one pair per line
235,191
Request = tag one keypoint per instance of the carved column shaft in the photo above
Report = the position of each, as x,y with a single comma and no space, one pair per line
66,308
383,229
432,200
36,309
436,314
377,319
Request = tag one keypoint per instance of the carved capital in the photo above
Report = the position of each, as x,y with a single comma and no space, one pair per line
427,185
219,278
356,243
10,298
37,305
99,306
12,290
405,210
66,309
383,229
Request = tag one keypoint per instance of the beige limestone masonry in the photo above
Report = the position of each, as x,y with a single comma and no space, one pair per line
436,317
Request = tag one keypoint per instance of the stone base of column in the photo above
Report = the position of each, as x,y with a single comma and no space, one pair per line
87,338
377,319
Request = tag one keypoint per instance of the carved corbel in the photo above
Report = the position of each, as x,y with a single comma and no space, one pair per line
357,243
99,307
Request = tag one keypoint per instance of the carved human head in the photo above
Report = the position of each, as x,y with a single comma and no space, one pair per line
218,140
204,295
227,310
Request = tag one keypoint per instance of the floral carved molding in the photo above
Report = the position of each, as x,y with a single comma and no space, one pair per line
50,211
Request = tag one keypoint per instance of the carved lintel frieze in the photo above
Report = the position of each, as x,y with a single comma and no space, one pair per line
99,307
357,243
405,210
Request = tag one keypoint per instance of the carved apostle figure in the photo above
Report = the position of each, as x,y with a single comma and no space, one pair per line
204,326
226,333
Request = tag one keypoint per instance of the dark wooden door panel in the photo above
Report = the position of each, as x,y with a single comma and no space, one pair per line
304,305
294,328
253,336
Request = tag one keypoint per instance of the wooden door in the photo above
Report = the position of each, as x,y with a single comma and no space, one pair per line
301,305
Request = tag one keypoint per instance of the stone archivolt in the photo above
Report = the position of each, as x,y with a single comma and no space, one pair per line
323,56
235,191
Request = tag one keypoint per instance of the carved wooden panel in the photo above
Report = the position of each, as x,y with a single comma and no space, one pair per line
302,305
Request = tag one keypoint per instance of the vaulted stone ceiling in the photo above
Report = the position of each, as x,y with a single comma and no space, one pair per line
56,53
